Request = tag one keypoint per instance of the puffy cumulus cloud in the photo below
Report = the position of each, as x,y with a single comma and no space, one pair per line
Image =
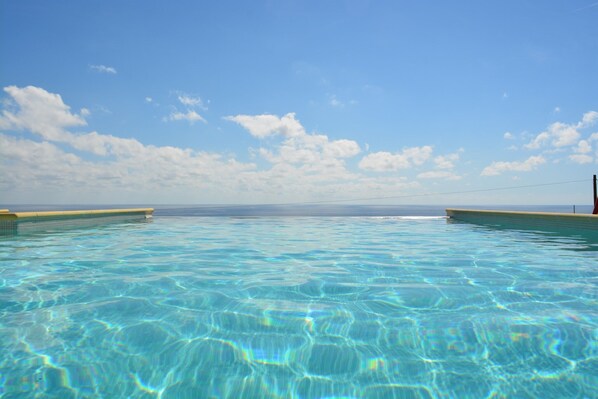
265,125
311,154
582,152
140,173
103,69
46,115
340,148
386,162
124,164
583,147
35,110
304,166
508,136
558,135
588,119
496,168
561,134
311,149
189,116
447,161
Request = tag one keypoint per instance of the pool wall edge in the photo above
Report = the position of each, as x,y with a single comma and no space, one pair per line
14,222
557,223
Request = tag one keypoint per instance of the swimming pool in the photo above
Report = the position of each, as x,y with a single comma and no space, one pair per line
298,307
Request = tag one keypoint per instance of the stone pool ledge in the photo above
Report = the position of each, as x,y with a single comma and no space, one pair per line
567,223
18,222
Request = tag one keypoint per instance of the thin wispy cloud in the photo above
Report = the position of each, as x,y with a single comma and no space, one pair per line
191,101
189,116
592,5
335,102
103,69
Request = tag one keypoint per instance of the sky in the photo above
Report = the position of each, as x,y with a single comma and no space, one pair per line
268,101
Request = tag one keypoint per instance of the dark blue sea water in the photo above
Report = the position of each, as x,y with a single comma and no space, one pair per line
301,210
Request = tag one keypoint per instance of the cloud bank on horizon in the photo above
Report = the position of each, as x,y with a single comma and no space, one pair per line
45,145
297,101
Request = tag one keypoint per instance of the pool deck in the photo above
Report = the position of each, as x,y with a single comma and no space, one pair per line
545,221
12,222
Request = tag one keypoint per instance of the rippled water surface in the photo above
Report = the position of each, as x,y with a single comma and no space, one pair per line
297,308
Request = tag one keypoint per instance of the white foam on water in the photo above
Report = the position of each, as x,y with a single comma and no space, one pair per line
410,217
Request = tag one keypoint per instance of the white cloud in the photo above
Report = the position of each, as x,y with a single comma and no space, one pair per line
581,158
189,116
39,112
385,161
588,119
558,134
557,109
561,134
103,69
312,150
148,99
133,169
126,165
508,136
583,147
538,141
447,161
341,149
303,167
439,174
190,101
335,102
581,152
265,125
496,168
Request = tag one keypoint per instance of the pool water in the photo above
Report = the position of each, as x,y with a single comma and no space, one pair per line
292,307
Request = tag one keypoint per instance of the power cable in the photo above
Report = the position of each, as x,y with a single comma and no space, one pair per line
432,194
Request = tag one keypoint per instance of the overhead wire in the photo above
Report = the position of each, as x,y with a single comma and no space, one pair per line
430,194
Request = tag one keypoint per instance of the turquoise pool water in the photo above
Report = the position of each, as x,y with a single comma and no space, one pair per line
187,307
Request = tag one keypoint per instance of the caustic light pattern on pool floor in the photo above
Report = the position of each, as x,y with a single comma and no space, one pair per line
297,308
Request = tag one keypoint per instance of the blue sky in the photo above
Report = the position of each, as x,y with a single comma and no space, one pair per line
290,101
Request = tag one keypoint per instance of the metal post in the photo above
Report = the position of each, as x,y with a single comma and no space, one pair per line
595,194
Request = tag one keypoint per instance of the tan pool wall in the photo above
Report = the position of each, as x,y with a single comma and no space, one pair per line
19,222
